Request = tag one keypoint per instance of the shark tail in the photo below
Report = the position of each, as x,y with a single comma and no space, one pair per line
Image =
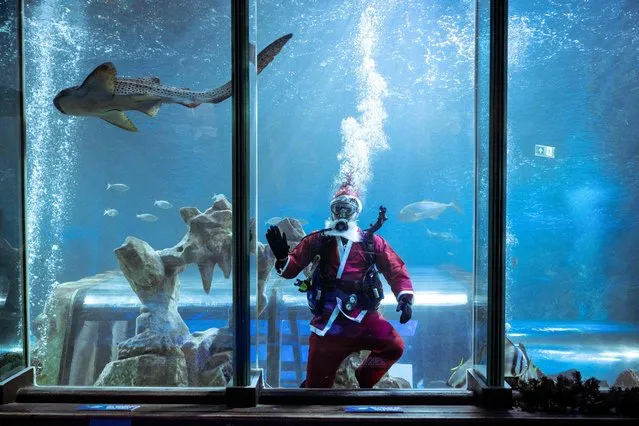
267,54
264,58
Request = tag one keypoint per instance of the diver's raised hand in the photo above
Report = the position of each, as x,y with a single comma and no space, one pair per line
277,242
404,304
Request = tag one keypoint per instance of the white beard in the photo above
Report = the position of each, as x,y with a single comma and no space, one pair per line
352,233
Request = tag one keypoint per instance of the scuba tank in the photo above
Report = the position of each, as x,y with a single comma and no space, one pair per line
370,291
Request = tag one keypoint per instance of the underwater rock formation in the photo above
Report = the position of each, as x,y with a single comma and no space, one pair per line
162,339
146,359
345,377
156,285
209,355
52,325
627,379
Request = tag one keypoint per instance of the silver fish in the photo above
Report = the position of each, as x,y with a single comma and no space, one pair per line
111,212
425,210
162,204
117,187
445,236
146,217
106,96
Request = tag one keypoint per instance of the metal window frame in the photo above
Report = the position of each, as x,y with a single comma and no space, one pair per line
241,203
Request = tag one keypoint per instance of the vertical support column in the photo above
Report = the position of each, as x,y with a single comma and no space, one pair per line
23,190
497,192
241,188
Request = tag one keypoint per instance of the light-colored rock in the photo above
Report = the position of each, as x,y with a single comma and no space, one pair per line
346,379
143,344
146,370
201,354
156,287
627,379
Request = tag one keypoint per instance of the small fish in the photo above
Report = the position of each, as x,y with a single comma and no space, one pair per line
445,236
163,204
146,217
111,212
450,253
106,96
425,210
117,187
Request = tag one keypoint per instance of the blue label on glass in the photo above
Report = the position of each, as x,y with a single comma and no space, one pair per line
110,422
107,407
372,409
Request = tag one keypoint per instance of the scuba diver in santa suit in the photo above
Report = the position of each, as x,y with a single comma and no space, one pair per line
345,292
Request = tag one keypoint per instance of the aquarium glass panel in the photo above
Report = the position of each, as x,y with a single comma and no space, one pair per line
481,187
370,101
573,194
12,351
129,191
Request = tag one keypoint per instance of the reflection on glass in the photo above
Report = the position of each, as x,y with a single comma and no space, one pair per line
11,225
128,158
572,188
380,105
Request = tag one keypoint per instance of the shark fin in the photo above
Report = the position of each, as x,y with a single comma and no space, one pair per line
150,108
206,272
190,105
103,77
118,118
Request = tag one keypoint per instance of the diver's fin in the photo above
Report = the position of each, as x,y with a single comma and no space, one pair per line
118,118
150,108
206,272
101,78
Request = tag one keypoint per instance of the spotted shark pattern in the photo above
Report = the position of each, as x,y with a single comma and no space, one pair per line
104,95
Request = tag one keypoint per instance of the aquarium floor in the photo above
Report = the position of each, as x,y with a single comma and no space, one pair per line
25,414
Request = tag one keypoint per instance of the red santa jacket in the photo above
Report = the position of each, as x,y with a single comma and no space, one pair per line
347,262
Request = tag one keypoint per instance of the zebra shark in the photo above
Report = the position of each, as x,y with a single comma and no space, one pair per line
106,96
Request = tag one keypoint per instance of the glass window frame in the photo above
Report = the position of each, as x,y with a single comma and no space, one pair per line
241,265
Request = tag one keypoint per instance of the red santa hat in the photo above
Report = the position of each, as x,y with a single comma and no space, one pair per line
347,188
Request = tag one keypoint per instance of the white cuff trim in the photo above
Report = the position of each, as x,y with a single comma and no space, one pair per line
288,259
405,292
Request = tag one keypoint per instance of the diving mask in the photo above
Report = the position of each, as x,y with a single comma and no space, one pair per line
345,207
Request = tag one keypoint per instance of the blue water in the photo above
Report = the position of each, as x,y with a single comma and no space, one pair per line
572,84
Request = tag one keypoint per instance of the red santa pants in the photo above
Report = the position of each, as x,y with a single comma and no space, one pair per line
374,333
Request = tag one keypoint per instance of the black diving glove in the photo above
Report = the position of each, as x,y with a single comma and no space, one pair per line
404,304
277,242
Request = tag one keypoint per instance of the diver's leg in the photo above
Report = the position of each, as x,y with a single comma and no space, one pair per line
325,354
385,344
